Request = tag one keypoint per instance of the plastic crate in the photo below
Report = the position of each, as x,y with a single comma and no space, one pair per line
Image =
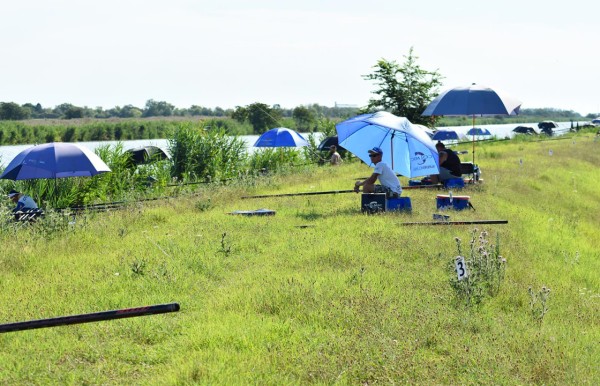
398,204
454,183
457,202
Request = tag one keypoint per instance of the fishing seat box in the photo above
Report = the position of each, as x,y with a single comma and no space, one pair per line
377,202
372,202
458,202
398,204
454,183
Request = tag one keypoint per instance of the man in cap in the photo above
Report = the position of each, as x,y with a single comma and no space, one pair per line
23,201
390,185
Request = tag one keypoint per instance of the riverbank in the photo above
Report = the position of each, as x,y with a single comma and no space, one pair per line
318,293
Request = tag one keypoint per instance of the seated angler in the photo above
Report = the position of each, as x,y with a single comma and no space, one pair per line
23,201
390,185
449,164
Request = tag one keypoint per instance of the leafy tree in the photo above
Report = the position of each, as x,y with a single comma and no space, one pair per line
259,115
404,90
158,109
303,117
13,112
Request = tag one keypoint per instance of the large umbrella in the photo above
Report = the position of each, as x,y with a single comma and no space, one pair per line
445,135
280,137
409,151
479,132
146,154
474,100
54,160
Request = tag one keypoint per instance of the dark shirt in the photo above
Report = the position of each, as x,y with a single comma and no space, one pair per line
452,163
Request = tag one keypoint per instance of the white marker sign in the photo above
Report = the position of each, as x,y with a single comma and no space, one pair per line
461,267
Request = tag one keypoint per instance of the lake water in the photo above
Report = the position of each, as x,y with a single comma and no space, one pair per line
7,153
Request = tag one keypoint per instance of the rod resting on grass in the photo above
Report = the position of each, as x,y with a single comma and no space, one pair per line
457,222
336,192
93,317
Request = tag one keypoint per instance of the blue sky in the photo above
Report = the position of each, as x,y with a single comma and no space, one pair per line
232,53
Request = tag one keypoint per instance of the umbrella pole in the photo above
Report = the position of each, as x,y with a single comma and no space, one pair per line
392,149
473,136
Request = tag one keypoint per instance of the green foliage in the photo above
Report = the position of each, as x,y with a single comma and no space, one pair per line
210,155
485,269
259,115
272,159
538,303
404,90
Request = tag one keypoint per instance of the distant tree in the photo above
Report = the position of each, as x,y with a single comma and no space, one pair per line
303,117
259,115
158,109
130,111
73,112
404,90
13,112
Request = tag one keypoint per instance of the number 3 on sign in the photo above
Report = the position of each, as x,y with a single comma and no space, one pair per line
461,267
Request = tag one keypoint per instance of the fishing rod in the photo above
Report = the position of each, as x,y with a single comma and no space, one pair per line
92,317
457,222
335,192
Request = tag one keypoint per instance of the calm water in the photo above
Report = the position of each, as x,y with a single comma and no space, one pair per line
7,153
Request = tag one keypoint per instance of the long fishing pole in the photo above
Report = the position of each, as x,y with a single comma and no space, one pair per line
93,317
457,222
335,192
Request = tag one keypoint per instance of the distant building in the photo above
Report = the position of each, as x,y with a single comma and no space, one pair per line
345,105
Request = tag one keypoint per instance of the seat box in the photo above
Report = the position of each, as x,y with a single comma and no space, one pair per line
454,183
457,202
398,204
372,203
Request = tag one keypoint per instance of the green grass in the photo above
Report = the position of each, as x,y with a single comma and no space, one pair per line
350,299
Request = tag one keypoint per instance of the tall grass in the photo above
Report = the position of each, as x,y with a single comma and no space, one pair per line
318,293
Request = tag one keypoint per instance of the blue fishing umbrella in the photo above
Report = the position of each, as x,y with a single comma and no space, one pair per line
445,135
54,160
408,150
280,137
474,100
479,131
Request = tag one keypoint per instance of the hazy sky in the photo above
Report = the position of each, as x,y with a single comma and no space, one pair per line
233,53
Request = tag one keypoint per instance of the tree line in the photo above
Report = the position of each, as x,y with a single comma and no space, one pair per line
404,89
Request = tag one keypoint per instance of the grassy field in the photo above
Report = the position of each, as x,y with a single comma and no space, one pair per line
318,293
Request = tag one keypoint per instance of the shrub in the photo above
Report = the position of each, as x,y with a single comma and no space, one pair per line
485,269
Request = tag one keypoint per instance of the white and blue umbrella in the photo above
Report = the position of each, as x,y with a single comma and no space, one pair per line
408,150
479,132
54,160
280,137
445,135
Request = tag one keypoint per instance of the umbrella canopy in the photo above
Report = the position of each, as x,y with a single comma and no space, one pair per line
479,131
280,137
474,100
524,130
54,160
147,154
407,150
547,125
445,135
426,129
